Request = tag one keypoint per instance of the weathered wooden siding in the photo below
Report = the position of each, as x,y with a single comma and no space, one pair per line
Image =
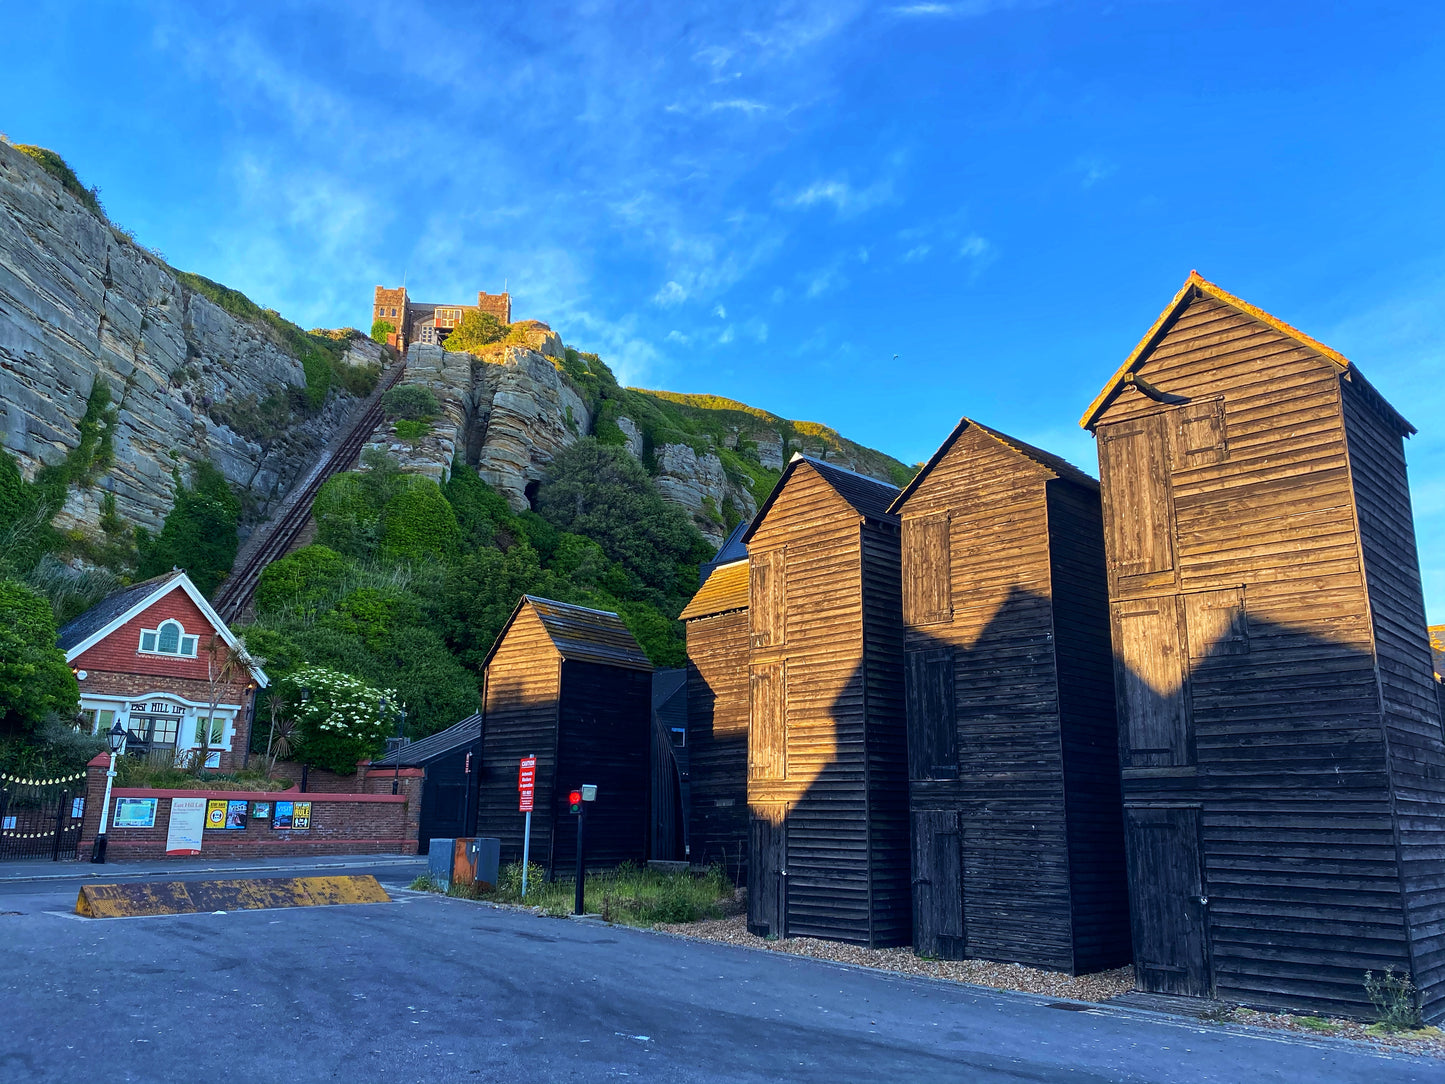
814,777
1089,728
1408,690
520,719
606,729
1244,628
1007,778
717,732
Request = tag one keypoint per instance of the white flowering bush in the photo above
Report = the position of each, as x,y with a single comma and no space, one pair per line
339,718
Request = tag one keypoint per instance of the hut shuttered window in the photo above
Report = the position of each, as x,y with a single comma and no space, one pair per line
932,727
1197,436
767,732
927,571
1216,623
765,599
1134,464
1152,683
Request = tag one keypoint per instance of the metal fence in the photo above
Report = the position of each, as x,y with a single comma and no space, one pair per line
41,818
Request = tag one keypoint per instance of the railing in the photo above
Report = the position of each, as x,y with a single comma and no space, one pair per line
271,540
41,818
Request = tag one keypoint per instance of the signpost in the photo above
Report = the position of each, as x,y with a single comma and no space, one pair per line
527,789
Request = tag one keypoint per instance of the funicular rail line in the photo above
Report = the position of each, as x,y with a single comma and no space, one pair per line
273,538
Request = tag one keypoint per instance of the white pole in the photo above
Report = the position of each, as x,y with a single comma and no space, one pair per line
99,855
526,850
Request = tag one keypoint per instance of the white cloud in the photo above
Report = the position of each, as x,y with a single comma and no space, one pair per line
671,294
726,337
1093,169
824,281
741,105
916,253
844,197
720,312
675,336
974,247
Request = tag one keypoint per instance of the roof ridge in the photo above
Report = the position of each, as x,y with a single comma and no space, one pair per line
800,456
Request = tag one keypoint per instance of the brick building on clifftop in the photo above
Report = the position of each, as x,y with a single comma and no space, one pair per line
428,322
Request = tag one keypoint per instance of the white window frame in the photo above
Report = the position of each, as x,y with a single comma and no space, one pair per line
184,640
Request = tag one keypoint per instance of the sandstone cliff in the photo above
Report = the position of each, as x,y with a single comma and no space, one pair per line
80,302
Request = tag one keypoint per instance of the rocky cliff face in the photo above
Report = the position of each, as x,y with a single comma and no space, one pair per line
81,302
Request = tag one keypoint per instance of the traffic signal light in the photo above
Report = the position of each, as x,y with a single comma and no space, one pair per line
575,799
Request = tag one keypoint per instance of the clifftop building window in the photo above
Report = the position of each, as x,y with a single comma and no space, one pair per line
169,639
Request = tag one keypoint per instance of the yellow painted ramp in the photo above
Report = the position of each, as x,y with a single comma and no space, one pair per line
192,897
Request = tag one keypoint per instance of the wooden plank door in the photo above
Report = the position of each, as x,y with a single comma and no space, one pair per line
768,870
1138,513
937,884
1168,901
1151,671
932,721
768,721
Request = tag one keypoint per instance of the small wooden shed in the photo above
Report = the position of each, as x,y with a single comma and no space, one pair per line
827,757
1018,843
717,718
571,686
1281,745
451,759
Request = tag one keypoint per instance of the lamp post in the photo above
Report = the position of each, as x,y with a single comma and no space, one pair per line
400,737
115,737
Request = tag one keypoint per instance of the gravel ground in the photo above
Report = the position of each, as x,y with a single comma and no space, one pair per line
1098,987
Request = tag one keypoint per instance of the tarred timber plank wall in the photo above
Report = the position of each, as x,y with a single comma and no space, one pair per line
1255,767
1013,752
1408,690
812,778
717,734
520,719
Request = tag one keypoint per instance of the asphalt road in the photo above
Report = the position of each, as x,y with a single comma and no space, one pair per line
432,989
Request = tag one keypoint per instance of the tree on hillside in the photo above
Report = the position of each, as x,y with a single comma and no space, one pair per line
603,493
35,680
477,329
199,534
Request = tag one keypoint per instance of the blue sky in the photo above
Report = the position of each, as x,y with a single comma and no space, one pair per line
770,202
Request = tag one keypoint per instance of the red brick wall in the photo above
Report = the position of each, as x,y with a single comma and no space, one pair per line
120,651
341,823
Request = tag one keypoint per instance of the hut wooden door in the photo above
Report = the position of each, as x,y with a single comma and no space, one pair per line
1152,688
1168,901
768,870
937,884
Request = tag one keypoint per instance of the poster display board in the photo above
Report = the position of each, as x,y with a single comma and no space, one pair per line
216,813
261,811
282,817
236,814
301,816
188,822
136,812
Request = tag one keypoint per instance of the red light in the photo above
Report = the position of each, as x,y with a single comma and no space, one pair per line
575,797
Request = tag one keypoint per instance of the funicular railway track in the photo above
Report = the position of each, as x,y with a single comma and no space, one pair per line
273,538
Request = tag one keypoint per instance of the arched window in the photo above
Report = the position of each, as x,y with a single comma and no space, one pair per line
169,639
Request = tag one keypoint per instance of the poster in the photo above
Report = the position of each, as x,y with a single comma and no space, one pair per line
236,814
139,812
282,817
301,816
261,811
188,821
216,813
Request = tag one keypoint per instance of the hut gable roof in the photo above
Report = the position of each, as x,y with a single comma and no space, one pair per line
1197,286
580,634
416,753
869,497
725,590
1053,464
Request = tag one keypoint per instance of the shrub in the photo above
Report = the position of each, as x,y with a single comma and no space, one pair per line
418,523
35,680
380,329
58,168
412,431
199,533
1395,998
302,580
411,401
341,719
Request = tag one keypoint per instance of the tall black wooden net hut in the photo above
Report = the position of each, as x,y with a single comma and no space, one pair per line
568,685
1018,845
1283,769
717,718
827,761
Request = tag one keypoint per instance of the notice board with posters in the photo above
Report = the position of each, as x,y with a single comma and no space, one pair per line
188,822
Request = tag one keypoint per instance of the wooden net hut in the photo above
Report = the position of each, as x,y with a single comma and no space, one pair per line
717,718
827,762
570,686
1018,845
1281,746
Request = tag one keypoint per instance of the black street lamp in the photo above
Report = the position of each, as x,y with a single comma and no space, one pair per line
116,738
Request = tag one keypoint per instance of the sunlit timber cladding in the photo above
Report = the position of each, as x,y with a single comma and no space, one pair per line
570,686
827,770
1018,845
717,718
1281,747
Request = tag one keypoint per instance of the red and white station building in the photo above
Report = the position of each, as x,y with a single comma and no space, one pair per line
154,656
